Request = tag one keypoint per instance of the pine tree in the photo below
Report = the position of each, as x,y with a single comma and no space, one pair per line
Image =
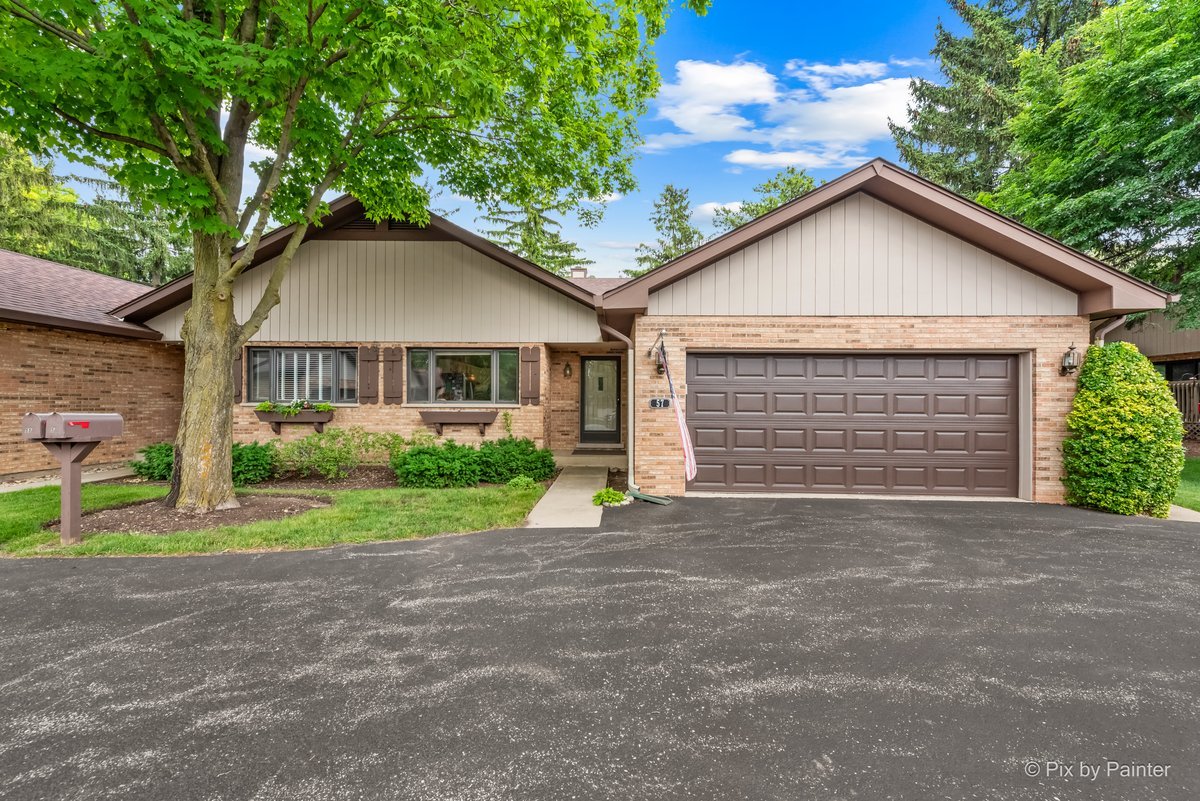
956,133
41,216
786,185
672,219
534,235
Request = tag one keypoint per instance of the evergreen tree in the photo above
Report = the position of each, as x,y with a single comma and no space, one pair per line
41,216
956,133
786,185
672,219
534,235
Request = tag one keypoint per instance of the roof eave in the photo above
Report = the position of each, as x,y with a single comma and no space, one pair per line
129,330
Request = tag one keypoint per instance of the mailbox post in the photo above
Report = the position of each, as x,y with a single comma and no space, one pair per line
70,437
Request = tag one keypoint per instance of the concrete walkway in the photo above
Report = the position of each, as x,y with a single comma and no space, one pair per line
1184,515
568,502
97,473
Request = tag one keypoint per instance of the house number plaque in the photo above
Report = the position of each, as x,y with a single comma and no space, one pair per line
660,403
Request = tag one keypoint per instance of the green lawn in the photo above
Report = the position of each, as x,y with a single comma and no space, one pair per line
1189,485
354,516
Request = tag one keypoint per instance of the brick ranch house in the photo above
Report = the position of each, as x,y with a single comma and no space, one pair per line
878,335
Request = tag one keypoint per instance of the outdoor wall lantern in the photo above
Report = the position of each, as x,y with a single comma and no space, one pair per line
567,370
659,367
1070,361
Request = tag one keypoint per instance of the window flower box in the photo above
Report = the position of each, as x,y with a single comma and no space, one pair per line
275,414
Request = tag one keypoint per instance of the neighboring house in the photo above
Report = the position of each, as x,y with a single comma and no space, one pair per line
877,335
60,350
1174,351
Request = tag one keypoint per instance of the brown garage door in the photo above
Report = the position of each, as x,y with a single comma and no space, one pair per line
917,424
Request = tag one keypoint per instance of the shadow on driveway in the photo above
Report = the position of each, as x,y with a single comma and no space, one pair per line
758,649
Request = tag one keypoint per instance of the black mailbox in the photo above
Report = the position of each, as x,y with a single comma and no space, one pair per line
83,426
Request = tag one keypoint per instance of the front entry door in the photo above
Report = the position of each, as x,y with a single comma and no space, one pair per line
600,399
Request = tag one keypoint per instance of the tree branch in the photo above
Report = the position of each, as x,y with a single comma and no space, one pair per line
21,11
109,135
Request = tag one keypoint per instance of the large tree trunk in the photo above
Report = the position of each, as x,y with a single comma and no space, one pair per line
203,479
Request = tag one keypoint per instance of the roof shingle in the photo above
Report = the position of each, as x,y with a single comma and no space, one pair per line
42,292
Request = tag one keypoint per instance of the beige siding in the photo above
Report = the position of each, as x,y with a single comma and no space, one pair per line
362,291
1157,336
861,256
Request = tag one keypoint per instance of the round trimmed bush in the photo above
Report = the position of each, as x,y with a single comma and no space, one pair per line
1124,447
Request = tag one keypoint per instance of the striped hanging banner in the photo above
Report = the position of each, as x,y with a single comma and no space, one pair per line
689,455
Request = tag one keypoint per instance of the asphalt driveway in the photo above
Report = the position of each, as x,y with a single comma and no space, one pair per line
712,649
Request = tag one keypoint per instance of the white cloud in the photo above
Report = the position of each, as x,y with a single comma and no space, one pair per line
615,244
843,116
778,159
705,101
705,212
814,115
611,197
822,76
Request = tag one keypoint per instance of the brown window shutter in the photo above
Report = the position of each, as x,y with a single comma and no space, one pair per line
531,376
368,374
393,375
239,376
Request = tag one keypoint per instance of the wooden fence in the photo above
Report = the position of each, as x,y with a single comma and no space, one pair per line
1187,398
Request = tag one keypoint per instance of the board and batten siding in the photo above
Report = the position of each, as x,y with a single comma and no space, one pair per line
861,256
389,291
1157,336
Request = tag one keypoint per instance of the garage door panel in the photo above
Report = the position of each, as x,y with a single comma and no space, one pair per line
943,424
750,403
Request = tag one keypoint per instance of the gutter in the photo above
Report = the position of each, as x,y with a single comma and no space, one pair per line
1107,327
629,404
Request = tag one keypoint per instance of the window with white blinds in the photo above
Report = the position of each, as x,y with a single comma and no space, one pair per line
303,374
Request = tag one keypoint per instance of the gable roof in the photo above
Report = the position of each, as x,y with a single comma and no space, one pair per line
1103,290
347,220
599,285
42,292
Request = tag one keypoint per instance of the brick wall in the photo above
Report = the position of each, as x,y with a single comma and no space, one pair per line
659,459
563,418
50,369
527,421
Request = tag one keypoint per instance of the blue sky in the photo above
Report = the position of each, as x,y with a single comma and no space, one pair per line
754,86
751,87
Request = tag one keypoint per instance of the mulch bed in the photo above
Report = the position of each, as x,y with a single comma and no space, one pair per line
152,517
1192,446
618,479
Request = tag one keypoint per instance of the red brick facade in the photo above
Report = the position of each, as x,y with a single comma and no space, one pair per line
659,463
563,418
51,369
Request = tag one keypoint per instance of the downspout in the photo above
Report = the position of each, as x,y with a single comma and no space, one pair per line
629,403
1106,328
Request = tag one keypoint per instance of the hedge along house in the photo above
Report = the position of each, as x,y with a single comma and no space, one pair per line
405,328
877,335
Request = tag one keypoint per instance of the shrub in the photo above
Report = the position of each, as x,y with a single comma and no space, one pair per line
251,463
607,495
504,459
1124,450
437,466
157,462
337,451
522,483
254,463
